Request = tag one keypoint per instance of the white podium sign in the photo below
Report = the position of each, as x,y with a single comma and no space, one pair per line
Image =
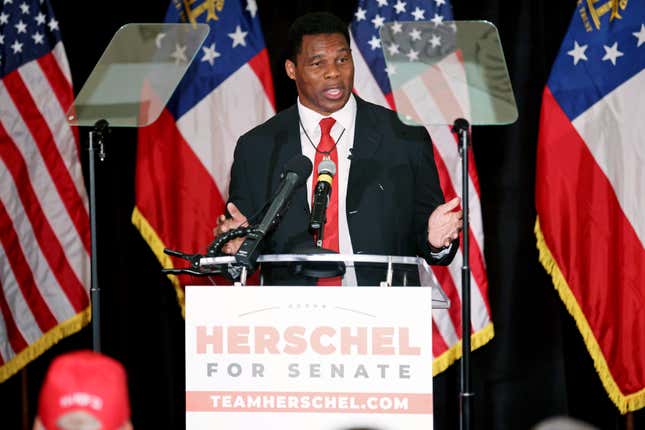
310,358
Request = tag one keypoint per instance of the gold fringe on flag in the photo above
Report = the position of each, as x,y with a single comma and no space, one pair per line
46,341
624,403
477,340
156,244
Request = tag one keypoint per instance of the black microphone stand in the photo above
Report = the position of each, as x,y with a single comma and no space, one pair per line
461,127
96,141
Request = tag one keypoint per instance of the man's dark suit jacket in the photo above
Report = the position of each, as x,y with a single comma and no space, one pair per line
393,184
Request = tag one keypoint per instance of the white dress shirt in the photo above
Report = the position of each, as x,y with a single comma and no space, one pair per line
343,129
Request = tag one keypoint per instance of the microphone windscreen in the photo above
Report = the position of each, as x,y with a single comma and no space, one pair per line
301,166
327,166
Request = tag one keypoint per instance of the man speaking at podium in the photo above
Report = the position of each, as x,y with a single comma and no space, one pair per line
385,196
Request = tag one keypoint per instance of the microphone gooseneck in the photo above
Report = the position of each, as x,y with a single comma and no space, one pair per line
296,172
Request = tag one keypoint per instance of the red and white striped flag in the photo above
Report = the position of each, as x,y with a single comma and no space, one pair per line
44,220
371,83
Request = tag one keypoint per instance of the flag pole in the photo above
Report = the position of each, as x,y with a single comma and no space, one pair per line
96,141
461,127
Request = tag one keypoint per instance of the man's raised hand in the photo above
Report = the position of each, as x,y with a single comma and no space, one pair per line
224,224
444,224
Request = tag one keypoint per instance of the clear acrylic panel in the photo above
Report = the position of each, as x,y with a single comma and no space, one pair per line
443,71
137,74
395,271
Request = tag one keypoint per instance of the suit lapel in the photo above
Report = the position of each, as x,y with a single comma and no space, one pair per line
367,141
286,146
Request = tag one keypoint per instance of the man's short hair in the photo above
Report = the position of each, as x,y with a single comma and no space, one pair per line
314,23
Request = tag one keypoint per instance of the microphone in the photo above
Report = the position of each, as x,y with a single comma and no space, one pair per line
326,172
295,174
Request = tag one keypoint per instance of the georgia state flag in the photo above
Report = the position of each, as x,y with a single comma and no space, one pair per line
184,159
590,192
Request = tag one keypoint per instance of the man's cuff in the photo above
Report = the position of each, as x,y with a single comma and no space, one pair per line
439,252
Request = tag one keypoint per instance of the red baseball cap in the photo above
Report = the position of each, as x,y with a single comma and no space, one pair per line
86,382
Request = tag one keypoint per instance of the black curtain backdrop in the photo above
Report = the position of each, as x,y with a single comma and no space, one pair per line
535,367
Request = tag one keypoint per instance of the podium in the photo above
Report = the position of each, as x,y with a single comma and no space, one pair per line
301,356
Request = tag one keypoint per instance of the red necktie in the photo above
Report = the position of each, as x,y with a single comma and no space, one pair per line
327,148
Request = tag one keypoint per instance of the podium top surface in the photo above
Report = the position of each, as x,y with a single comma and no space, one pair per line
317,258
388,262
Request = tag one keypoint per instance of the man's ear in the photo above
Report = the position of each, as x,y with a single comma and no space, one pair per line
290,68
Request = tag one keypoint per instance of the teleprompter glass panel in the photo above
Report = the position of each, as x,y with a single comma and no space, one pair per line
137,74
441,72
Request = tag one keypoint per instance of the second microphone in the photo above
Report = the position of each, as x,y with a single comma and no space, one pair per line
326,172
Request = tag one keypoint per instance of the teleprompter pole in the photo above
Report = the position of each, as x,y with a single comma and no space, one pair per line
96,141
461,127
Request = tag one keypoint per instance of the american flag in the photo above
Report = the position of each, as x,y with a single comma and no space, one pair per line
373,84
590,188
184,159
44,221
